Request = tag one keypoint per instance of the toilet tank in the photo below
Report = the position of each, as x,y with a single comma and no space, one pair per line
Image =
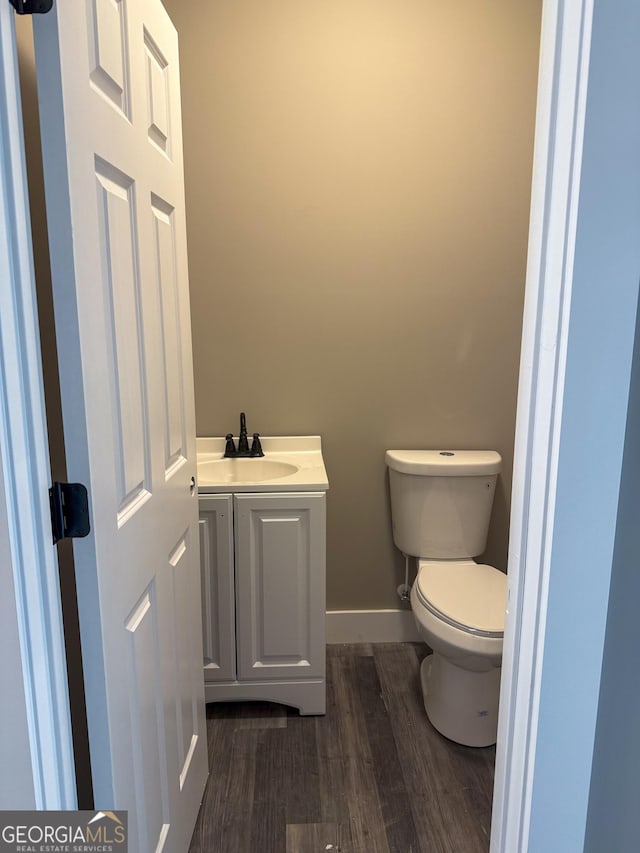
441,500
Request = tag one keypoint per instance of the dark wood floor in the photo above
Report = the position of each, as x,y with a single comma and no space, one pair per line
372,776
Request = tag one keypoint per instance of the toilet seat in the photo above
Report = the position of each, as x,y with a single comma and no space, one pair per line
469,596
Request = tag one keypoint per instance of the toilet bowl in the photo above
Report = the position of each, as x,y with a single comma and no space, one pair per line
458,607
440,506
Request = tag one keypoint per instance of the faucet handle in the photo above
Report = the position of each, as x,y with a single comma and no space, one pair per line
230,447
256,447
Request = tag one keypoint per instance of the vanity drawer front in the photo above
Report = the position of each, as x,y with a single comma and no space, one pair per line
280,585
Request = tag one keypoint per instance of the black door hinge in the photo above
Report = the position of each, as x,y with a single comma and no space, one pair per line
69,511
32,7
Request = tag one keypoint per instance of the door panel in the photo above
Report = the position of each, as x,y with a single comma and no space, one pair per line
123,315
186,653
172,345
106,38
157,96
147,722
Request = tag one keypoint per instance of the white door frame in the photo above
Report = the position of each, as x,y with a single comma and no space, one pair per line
562,84
580,323
25,526
566,34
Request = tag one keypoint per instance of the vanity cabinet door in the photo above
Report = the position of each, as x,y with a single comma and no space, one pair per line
280,586
217,578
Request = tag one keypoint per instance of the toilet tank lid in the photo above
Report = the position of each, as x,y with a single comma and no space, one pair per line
444,463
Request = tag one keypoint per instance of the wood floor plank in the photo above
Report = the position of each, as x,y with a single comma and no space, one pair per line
339,650
268,830
302,801
225,814
207,826
474,769
366,822
235,820
314,838
331,776
392,792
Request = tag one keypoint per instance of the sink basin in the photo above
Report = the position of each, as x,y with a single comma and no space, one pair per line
290,464
235,471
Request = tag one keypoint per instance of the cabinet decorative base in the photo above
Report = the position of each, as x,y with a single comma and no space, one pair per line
308,696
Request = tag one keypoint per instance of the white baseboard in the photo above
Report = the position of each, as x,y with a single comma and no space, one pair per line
371,626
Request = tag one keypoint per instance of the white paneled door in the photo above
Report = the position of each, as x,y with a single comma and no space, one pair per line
108,84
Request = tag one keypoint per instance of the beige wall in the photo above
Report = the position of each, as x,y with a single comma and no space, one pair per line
357,177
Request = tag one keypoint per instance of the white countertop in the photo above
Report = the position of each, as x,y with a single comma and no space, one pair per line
303,453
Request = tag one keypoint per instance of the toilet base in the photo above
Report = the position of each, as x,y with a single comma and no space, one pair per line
461,704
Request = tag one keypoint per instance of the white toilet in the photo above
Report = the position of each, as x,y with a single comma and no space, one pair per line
440,506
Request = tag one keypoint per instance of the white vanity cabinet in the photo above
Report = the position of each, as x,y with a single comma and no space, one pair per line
263,597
